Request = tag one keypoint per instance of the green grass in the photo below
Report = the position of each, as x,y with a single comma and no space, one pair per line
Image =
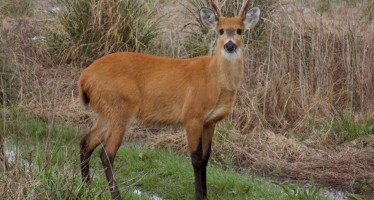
52,171
170,176
340,130
347,129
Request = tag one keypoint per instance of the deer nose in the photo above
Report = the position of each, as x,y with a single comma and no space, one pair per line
230,46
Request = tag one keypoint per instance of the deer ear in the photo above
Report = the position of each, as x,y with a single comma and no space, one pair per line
208,18
251,17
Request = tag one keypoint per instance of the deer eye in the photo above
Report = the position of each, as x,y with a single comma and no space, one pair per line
221,31
239,31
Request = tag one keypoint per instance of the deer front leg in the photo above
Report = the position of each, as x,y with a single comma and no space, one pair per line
199,142
207,136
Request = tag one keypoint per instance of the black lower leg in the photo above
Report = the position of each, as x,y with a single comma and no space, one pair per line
197,163
205,164
85,155
107,161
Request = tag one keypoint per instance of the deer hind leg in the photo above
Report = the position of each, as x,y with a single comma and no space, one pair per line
108,153
199,138
88,145
118,122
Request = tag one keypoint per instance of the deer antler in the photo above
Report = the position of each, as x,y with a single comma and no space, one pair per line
215,5
243,8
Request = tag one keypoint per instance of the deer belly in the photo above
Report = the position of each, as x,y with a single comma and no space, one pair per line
160,113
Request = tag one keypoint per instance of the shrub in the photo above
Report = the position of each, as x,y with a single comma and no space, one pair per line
16,7
90,29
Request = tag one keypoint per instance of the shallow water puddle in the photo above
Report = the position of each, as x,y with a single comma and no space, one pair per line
334,194
143,194
12,155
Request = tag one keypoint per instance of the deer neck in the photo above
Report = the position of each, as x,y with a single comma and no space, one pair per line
228,68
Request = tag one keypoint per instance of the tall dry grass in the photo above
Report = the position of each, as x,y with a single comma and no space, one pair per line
311,69
299,67
308,67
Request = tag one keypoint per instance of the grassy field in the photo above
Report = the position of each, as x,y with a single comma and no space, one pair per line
304,112
44,164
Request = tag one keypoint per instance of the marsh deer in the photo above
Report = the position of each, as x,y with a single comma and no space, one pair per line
196,92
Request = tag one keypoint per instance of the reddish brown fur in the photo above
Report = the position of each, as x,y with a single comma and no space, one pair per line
196,92
163,90
169,87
